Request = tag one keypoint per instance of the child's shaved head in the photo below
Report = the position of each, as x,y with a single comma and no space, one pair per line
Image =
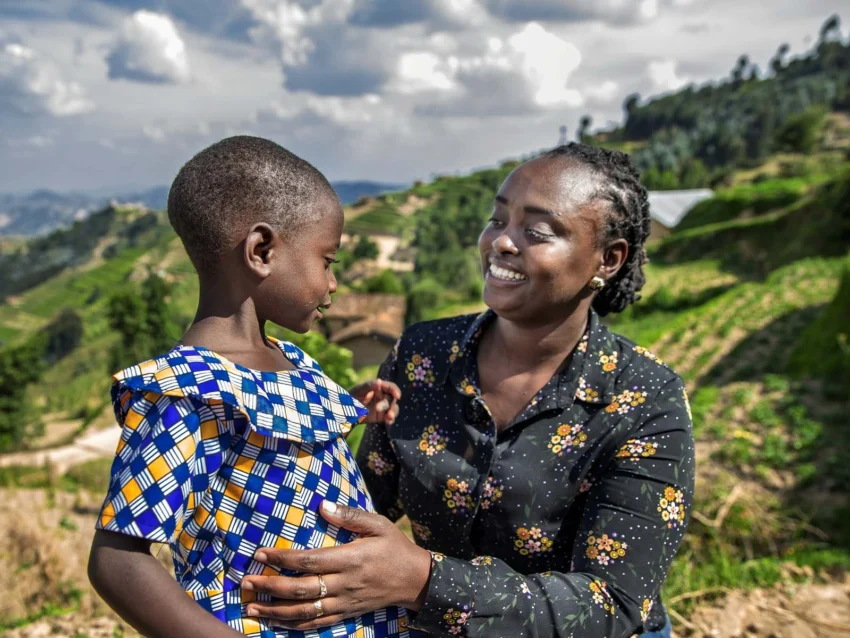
239,181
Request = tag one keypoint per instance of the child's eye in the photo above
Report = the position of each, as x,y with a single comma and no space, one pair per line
331,260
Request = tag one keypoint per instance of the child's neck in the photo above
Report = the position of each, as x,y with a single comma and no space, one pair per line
229,326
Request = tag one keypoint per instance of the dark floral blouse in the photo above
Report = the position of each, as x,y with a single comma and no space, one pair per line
562,524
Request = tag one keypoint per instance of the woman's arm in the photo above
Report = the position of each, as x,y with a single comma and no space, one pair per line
132,582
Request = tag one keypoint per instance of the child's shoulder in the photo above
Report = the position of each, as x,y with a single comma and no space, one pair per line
302,406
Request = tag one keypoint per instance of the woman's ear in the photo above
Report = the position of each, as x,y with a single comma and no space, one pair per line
613,258
259,247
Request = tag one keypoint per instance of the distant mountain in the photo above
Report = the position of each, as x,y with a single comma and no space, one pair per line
350,192
41,211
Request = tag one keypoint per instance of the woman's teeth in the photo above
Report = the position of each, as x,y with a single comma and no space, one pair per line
506,275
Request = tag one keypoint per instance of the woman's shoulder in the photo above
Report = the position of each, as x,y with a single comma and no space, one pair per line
639,364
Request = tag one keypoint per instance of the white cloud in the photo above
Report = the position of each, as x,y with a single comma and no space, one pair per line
526,72
420,71
604,93
546,61
30,84
663,75
149,49
154,133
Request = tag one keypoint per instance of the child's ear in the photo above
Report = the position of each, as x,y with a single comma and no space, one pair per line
259,245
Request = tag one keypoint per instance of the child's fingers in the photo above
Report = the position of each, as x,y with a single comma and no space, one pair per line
390,388
391,414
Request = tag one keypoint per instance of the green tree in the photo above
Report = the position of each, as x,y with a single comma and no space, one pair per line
424,296
584,127
694,174
740,68
19,367
365,248
143,322
800,132
384,282
62,335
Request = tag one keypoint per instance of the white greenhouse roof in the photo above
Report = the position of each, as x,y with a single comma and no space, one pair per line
669,207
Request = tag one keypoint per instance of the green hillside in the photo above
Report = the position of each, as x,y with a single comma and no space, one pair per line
748,299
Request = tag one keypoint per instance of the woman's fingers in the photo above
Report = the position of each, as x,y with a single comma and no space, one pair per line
296,611
330,560
287,587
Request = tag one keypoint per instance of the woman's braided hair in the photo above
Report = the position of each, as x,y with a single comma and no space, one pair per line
629,219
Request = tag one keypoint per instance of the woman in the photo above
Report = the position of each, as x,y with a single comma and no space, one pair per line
545,463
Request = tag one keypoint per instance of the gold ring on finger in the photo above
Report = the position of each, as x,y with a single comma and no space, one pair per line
318,605
323,589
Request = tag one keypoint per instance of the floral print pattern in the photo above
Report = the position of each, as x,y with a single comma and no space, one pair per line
500,513
420,531
433,440
608,361
531,541
646,353
457,496
420,371
455,619
601,596
492,493
604,549
627,401
586,393
636,449
378,464
645,608
672,507
567,438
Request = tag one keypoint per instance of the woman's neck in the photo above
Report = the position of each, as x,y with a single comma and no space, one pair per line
526,346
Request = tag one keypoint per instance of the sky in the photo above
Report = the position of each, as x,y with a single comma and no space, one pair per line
117,94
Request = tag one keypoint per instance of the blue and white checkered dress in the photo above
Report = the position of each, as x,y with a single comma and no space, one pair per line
218,460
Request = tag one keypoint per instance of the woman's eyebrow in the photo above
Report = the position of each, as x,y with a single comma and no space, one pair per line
536,210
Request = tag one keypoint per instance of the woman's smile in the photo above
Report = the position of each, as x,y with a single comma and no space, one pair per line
505,274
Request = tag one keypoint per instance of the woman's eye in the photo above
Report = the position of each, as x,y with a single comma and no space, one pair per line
496,223
538,234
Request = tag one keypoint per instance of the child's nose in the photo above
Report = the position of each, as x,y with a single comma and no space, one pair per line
331,281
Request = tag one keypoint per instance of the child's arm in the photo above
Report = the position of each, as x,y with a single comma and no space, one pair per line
132,582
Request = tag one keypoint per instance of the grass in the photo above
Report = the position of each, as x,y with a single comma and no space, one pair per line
717,569
91,476
383,219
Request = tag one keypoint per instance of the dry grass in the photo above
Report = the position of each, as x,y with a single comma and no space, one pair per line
45,538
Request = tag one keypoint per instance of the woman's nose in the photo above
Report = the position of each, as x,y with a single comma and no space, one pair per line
504,244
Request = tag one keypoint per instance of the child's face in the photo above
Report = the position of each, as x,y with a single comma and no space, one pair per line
301,279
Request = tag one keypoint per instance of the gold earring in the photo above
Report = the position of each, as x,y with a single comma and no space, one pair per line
597,283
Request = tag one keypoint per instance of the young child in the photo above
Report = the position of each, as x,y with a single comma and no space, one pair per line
232,440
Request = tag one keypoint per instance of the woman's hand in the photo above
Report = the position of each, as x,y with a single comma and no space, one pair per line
380,569
381,397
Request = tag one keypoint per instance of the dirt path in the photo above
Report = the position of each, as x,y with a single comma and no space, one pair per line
91,445
805,611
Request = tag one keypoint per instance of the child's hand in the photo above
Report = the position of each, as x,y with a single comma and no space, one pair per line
381,397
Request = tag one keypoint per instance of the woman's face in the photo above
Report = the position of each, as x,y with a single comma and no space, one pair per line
540,249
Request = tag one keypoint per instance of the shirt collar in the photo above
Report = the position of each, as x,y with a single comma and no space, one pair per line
587,377
306,405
